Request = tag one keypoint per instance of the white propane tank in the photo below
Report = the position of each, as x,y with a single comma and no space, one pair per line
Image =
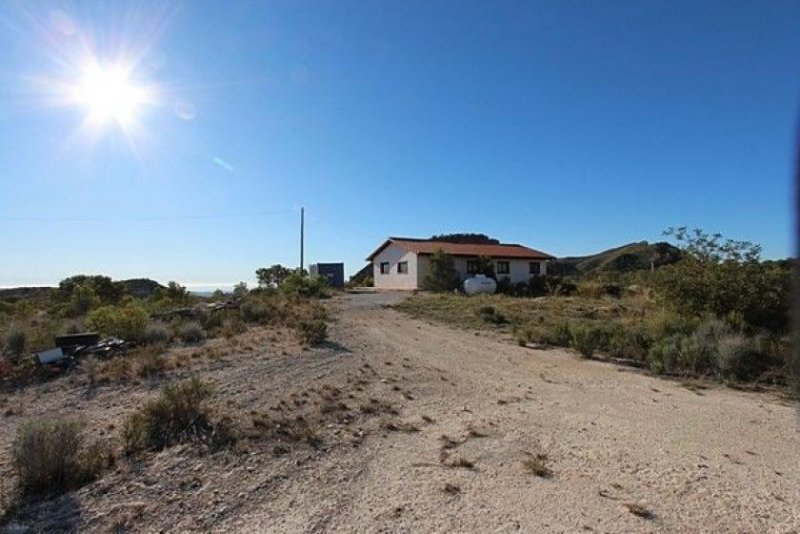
479,283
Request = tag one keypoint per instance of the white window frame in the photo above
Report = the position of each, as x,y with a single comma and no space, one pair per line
388,267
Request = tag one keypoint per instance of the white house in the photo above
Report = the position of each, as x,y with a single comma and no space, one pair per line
401,263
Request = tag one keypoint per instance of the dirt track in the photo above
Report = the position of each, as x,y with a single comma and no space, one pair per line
717,460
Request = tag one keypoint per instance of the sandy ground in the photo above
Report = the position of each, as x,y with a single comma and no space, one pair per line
716,460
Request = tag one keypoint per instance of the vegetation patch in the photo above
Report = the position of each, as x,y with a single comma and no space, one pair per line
51,457
179,415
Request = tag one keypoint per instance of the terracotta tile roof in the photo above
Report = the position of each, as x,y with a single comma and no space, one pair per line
426,246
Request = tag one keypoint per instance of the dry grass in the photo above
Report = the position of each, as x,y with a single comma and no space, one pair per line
640,510
452,489
461,462
537,464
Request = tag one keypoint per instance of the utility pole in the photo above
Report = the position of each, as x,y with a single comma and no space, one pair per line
302,230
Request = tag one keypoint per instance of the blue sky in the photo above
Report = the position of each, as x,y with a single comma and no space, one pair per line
566,126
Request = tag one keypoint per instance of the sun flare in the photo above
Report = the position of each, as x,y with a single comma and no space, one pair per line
109,95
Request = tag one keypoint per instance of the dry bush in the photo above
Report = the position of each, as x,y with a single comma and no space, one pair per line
52,456
590,290
150,361
311,331
16,341
117,370
156,334
180,414
192,333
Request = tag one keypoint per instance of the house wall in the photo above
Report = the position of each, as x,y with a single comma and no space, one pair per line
394,255
418,266
518,269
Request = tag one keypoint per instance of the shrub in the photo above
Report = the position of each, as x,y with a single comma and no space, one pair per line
16,340
489,314
233,326
560,334
628,342
156,333
738,358
664,353
537,286
667,323
442,275
192,333
305,285
127,322
311,331
504,286
590,290
211,321
150,361
588,338
51,456
178,415
259,311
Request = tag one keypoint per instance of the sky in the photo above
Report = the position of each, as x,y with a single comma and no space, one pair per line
178,140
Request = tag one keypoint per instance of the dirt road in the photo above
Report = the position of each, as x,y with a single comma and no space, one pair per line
469,416
717,460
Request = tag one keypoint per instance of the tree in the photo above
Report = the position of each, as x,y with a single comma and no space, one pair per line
470,238
272,276
725,278
442,275
175,294
240,290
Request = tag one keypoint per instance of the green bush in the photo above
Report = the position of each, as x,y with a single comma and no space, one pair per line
442,275
587,338
192,333
738,358
127,322
537,286
16,341
628,342
727,279
560,334
311,331
51,457
178,415
260,311
664,353
305,285
490,315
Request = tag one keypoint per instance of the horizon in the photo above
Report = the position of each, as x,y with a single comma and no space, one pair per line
178,142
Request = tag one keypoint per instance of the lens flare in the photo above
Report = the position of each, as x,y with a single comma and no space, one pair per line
109,95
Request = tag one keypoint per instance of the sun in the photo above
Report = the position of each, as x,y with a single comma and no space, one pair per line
109,95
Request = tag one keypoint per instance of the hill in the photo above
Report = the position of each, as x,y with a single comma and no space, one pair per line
630,257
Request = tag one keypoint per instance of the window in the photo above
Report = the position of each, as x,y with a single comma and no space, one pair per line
502,267
534,268
402,267
473,266
384,267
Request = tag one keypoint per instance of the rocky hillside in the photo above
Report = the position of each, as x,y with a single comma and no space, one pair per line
631,257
